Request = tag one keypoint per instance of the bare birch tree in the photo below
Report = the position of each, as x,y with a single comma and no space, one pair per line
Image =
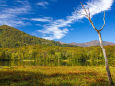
88,16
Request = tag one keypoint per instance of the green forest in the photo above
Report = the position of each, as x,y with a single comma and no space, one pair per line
11,37
55,53
57,66
17,45
27,60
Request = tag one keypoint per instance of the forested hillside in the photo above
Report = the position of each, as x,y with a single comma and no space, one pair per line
17,45
11,37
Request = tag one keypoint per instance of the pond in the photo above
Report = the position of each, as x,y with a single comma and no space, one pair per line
52,63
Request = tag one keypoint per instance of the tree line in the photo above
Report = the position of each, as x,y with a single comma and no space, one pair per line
55,53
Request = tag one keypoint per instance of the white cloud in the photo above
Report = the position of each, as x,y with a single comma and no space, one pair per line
44,19
10,15
55,34
12,22
95,7
43,4
55,29
16,10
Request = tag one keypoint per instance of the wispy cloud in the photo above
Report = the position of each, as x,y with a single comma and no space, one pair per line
56,29
43,4
44,19
95,7
55,34
10,15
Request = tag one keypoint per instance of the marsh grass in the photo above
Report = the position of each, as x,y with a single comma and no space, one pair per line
54,76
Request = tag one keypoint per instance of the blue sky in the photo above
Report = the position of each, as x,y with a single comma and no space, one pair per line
59,20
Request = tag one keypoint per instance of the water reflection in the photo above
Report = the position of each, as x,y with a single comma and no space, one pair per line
51,63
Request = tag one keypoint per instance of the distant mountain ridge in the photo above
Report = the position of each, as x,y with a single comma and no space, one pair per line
91,43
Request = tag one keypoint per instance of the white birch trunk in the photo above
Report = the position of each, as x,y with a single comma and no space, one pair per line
106,60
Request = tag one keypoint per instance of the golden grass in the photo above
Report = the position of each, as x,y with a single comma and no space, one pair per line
55,76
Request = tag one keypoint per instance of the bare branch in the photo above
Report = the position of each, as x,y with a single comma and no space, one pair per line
81,13
88,16
101,43
89,13
85,10
93,25
104,22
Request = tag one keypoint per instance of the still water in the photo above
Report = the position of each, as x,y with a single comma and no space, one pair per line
51,63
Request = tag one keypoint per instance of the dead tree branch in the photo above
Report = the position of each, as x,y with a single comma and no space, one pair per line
88,16
104,22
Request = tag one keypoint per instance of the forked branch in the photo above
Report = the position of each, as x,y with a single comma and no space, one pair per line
87,14
104,22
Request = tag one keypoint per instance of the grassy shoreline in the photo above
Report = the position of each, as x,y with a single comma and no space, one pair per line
54,76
